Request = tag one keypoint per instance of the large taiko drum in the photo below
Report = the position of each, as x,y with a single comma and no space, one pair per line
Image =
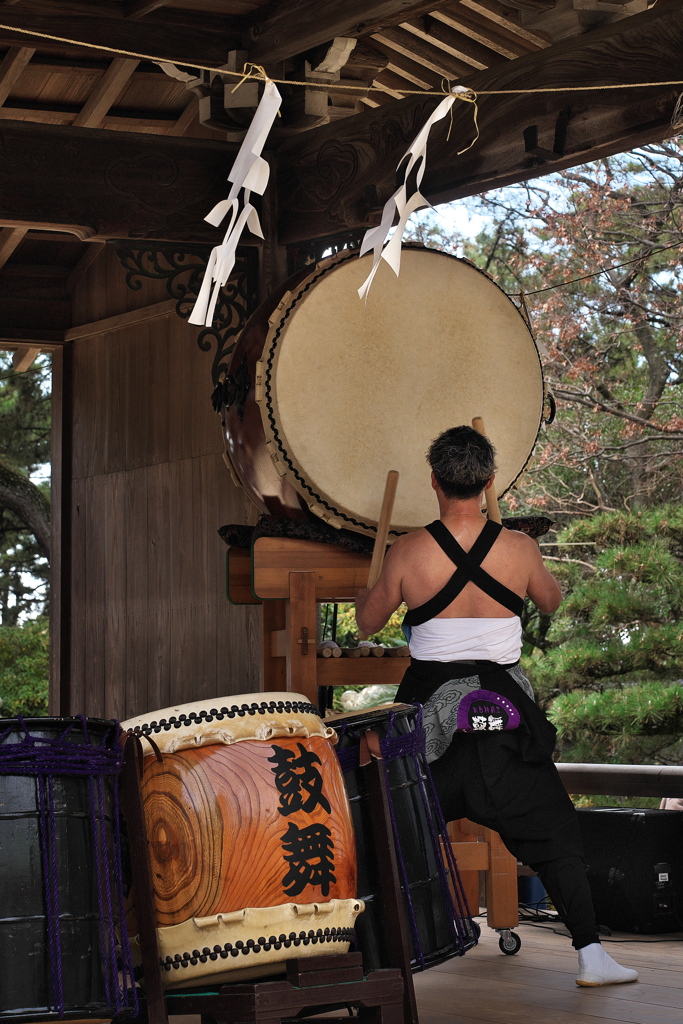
326,392
250,836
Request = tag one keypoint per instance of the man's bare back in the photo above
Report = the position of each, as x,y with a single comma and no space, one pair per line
416,568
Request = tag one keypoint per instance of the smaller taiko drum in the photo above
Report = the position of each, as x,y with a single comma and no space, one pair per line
250,836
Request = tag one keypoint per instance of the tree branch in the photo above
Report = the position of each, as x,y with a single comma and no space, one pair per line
27,502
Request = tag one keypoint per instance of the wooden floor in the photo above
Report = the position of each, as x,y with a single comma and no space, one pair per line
536,986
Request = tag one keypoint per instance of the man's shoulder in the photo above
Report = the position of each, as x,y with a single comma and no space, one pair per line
408,544
520,543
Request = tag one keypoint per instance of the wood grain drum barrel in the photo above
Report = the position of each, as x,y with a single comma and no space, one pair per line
251,842
326,392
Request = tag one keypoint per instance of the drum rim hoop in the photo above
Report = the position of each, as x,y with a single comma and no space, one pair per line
359,717
284,310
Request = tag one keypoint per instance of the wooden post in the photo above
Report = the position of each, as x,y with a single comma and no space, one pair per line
490,496
469,878
397,927
273,668
302,671
502,900
131,806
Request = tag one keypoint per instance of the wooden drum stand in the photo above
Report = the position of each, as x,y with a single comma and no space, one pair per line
288,578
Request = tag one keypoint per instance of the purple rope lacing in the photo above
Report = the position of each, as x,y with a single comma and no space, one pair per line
412,745
45,758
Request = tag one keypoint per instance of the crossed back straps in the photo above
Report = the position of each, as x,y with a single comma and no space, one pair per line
468,569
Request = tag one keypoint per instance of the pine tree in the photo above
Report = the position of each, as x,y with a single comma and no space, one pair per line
24,537
611,675
24,505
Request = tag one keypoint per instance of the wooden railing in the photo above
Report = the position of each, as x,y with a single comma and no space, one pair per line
622,779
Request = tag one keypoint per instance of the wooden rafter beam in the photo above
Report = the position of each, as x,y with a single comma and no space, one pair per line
106,92
414,73
282,29
430,56
10,239
24,357
12,67
450,41
327,183
102,184
86,261
487,12
15,337
174,35
188,116
139,8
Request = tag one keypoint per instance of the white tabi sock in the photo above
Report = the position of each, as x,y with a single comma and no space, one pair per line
596,967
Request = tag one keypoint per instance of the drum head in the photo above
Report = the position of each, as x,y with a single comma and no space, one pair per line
352,389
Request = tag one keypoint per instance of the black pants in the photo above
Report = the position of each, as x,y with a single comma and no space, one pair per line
484,778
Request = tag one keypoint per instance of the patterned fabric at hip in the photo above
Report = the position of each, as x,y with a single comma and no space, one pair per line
464,705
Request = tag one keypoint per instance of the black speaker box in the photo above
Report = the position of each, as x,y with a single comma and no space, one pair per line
634,860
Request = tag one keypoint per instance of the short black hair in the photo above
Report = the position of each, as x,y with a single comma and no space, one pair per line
463,462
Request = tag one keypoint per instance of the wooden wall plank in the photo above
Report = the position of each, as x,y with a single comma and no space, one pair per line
116,399
159,411
137,612
114,612
202,529
136,343
183,625
93,622
182,426
102,290
90,406
152,625
79,569
159,500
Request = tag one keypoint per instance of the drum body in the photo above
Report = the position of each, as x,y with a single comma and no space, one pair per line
326,393
25,974
251,843
431,916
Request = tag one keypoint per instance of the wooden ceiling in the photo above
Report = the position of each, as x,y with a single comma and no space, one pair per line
60,166
401,45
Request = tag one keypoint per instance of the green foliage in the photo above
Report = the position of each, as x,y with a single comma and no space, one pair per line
347,636
611,331
347,630
647,709
25,416
611,672
616,801
24,668
352,698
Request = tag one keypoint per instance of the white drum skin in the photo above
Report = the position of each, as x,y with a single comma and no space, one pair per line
348,389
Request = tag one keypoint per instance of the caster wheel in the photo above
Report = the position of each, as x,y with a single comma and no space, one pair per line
510,944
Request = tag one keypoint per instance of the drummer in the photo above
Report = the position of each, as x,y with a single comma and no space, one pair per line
464,579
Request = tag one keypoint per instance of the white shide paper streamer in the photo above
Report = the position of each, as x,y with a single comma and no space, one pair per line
250,172
401,203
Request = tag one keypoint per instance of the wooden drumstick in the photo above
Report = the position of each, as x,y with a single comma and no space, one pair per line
382,532
490,496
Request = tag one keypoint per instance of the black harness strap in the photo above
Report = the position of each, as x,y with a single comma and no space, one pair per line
468,569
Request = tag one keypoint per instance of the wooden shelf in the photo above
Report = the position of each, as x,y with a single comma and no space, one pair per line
361,671
338,574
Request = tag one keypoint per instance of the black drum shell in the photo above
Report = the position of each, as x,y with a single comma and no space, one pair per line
430,903
25,990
